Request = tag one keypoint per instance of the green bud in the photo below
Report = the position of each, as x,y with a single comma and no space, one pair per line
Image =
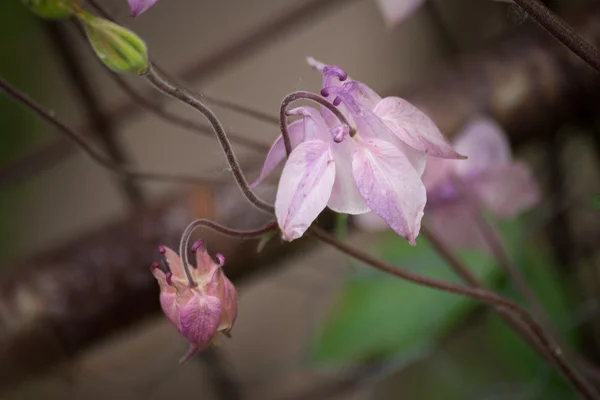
119,48
51,9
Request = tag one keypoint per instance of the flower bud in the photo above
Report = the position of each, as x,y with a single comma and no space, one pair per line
119,48
52,9
199,308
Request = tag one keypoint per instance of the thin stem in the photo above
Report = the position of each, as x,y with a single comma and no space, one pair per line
184,96
170,117
486,296
84,90
98,157
294,96
561,31
206,223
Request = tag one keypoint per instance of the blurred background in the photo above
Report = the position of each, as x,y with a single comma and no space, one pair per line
79,316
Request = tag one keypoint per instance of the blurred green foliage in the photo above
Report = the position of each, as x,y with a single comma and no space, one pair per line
22,64
381,317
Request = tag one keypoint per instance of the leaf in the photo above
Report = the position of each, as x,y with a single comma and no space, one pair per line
378,315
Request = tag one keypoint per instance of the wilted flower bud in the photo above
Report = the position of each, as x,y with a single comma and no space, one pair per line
201,308
52,9
118,47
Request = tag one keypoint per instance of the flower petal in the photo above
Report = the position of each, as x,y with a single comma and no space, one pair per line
277,151
199,319
345,197
371,127
486,145
396,11
304,188
138,7
414,127
370,222
390,186
175,265
508,190
363,94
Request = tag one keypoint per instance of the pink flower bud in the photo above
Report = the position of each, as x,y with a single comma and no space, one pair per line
199,308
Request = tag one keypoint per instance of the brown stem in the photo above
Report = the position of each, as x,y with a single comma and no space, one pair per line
213,226
294,96
185,97
553,351
561,31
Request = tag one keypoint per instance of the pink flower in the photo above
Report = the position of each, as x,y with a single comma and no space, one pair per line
503,186
396,11
201,310
378,169
139,7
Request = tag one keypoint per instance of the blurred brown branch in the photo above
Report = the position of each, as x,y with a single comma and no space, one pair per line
60,302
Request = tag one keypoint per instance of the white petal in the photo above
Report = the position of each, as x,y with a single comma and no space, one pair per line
344,196
390,186
304,188
414,127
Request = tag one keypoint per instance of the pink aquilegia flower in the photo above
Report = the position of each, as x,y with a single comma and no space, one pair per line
378,169
502,185
139,7
201,310
396,11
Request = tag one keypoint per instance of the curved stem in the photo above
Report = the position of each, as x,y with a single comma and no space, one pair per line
553,351
561,31
184,96
290,98
98,157
206,223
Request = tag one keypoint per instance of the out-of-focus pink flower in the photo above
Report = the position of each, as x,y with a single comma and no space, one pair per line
378,169
396,11
502,185
139,7
200,310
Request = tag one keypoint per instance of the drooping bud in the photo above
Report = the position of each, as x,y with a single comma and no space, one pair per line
199,306
117,47
52,9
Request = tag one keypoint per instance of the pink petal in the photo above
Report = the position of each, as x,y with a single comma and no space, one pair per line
486,145
138,7
396,11
345,197
390,186
315,127
508,190
304,188
363,94
438,171
199,319
277,151
371,127
414,127
175,265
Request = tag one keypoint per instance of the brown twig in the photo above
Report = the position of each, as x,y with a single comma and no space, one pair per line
562,31
179,93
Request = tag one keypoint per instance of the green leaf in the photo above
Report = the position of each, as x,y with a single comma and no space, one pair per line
378,315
